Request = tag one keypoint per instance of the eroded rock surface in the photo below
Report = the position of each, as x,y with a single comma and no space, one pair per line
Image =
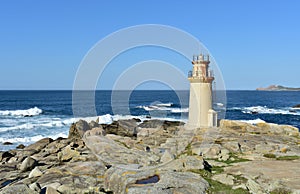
154,156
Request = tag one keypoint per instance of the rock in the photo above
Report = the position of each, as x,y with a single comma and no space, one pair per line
28,164
193,162
254,187
67,154
264,148
296,106
265,173
7,143
224,155
137,120
54,185
57,146
50,190
234,125
78,129
17,188
96,131
94,124
5,155
21,146
279,129
122,128
166,157
36,172
155,123
208,150
184,163
216,163
115,153
35,187
39,145
224,178
120,181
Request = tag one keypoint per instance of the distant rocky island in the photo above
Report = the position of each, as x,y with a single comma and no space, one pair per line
278,88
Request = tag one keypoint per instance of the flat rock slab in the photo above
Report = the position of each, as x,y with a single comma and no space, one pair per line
270,171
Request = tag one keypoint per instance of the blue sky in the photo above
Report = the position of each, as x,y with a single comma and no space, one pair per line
256,43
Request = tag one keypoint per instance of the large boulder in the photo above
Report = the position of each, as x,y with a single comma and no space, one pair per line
78,129
36,172
39,145
67,154
114,152
28,164
18,188
96,131
155,123
122,127
5,156
224,178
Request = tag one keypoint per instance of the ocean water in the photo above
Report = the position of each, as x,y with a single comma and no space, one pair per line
27,116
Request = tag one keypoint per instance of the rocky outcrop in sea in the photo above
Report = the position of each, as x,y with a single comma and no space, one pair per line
154,156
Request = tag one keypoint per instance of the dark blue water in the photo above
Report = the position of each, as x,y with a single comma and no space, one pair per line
27,116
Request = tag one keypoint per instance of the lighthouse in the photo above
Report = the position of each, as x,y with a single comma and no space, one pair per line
201,78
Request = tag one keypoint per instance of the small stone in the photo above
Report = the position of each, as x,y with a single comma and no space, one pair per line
54,185
21,146
49,190
7,143
35,172
67,154
254,187
93,124
35,186
28,164
284,149
224,155
166,157
224,178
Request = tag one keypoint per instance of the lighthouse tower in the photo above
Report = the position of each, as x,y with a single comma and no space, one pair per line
200,105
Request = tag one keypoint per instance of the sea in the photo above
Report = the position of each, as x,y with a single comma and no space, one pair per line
28,116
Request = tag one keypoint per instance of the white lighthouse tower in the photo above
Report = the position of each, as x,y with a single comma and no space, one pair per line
201,113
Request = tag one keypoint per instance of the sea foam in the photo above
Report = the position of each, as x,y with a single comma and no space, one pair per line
28,112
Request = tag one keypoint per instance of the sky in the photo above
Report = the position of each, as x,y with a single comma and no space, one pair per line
42,43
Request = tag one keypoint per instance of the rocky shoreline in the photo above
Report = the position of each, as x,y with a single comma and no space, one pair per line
154,156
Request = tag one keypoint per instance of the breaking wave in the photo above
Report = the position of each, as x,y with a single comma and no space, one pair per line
255,121
32,139
164,107
28,112
266,110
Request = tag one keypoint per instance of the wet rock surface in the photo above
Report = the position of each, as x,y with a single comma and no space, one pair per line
154,156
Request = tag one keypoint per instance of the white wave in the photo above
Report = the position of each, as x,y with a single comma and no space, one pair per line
108,119
26,140
253,122
179,110
265,110
219,104
41,123
162,108
28,112
164,104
